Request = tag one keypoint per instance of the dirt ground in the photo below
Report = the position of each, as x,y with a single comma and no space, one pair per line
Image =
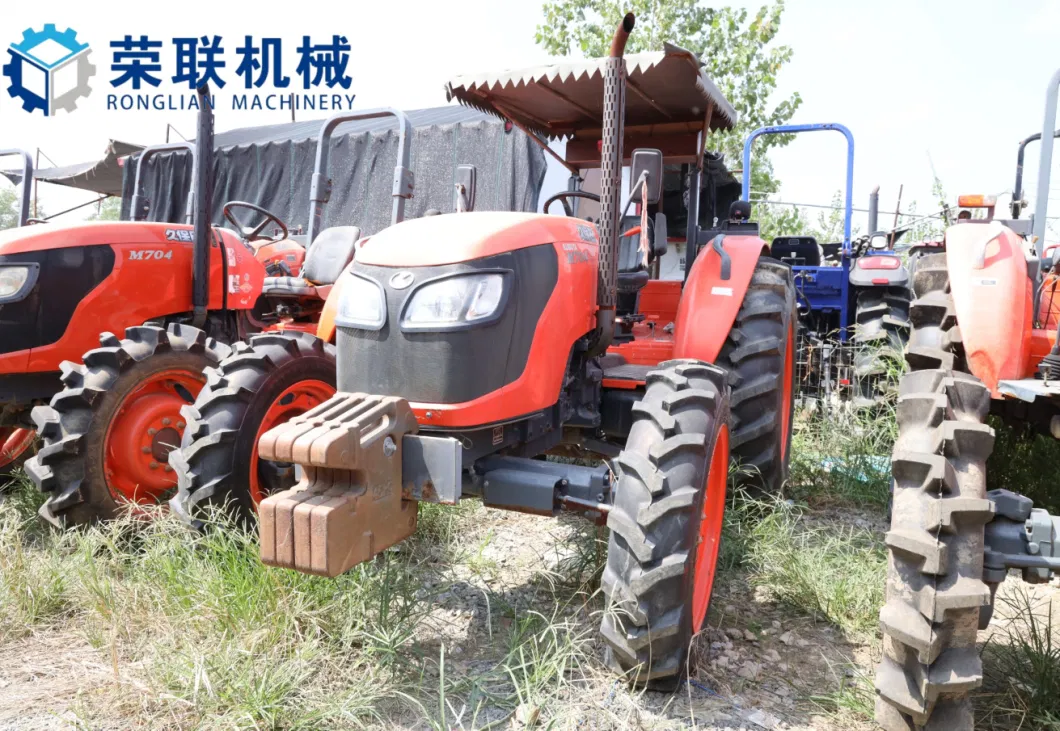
759,665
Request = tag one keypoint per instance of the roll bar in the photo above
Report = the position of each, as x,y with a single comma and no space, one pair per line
140,205
26,185
1045,161
320,189
1017,189
794,129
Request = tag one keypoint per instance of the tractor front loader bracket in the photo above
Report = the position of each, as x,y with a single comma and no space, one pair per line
348,507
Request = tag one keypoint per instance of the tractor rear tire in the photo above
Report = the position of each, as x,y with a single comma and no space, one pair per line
265,382
759,356
935,342
881,331
74,467
666,521
935,589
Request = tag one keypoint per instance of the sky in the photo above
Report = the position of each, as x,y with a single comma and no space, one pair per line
943,85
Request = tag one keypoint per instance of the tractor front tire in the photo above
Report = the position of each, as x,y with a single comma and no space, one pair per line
881,331
935,590
265,382
759,356
107,434
666,522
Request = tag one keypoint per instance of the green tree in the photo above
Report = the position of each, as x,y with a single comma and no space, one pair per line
9,201
108,210
736,48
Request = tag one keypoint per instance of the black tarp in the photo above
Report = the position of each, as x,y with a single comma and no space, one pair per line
99,176
272,166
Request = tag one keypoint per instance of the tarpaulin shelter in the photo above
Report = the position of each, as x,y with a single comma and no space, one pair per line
103,176
272,166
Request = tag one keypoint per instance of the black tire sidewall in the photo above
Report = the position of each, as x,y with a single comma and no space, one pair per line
265,393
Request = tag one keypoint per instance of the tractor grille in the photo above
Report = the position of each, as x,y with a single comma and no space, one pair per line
451,366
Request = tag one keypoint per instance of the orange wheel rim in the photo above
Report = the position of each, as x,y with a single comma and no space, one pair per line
146,427
295,400
786,397
711,517
13,442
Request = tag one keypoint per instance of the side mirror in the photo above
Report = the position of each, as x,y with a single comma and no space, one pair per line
650,162
466,180
658,242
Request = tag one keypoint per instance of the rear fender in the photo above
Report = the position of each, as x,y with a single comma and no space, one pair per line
993,297
878,277
709,303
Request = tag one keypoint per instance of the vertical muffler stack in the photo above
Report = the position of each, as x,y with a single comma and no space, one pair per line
611,180
203,196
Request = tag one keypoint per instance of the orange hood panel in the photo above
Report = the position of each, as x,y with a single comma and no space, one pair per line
457,237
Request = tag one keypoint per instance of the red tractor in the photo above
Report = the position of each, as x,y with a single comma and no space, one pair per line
181,293
472,346
982,342
16,442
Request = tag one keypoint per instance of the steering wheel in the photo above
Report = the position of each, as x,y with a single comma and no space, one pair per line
35,221
253,233
562,198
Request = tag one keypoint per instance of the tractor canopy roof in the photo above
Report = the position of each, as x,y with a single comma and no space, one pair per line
669,101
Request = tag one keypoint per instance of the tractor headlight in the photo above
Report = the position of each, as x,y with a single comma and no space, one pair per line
363,304
456,302
16,281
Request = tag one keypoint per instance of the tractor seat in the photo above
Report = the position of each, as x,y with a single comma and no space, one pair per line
796,250
632,276
329,254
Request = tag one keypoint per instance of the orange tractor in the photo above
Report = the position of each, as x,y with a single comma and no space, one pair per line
471,346
181,293
982,342
16,441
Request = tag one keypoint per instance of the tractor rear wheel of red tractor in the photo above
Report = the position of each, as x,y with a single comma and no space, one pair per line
666,522
265,382
759,356
107,435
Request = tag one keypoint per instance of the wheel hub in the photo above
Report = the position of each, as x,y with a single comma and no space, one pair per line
146,427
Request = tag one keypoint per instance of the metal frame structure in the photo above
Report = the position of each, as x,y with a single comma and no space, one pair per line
823,276
24,186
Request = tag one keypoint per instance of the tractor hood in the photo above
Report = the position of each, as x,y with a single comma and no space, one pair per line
459,237
39,237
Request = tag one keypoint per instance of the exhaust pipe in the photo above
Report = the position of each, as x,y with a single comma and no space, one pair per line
203,182
611,183
874,210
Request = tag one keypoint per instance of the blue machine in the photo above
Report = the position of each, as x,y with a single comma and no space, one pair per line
830,293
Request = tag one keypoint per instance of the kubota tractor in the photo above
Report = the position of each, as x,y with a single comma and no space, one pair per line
471,346
181,294
980,344
16,442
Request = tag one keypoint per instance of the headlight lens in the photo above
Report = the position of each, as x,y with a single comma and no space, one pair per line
455,301
363,304
12,280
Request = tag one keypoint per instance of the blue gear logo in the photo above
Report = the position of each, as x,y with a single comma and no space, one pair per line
49,70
